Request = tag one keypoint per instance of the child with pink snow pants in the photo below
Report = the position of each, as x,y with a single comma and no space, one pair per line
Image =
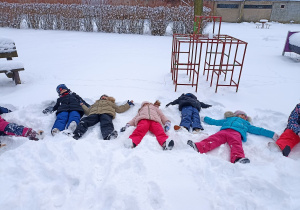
233,131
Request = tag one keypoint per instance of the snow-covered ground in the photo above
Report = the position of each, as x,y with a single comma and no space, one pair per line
61,173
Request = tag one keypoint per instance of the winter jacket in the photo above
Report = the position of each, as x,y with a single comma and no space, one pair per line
150,112
103,106
69,102
240,125
294,120
3,124
189,100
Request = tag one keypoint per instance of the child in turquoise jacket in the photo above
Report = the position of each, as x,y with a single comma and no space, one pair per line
233,131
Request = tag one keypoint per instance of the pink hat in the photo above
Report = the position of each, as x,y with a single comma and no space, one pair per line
238,112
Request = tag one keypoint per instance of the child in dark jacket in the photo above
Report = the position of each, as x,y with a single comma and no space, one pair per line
68,110
103,111
233,131
13,129
291,135
190,109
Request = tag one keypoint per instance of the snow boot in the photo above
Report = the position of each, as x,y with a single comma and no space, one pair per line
33,135
72,127
55,131
112,135
193,145
242,160
286,151
170,145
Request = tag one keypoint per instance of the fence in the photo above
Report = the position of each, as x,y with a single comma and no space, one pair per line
100,18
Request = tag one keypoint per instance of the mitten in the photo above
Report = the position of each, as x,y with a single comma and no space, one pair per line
202,118
167,126
168,104
130,103
124,128
275,137
49,109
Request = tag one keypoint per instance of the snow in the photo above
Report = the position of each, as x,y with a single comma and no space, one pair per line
6,45
10,65
295,39
61,173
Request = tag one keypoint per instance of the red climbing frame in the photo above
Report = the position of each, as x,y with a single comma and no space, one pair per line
219,54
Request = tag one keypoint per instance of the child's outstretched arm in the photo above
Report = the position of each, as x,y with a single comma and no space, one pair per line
262,132
173,103
203,105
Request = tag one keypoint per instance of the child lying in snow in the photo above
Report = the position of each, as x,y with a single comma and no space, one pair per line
291,135
233,131
103,111
12,129
68,110
149,118
190,109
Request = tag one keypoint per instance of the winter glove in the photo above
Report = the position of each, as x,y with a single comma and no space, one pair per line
49,109
202,118
4,110
168,104
167,126
124,128
130,102
275,137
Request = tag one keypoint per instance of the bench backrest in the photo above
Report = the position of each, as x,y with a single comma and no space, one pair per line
7,48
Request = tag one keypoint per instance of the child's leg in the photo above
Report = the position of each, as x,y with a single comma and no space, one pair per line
288,138
140,131
106,125
212,142
159,132
186,117
73,116
84,124
234,141
61,121
13,129
196,122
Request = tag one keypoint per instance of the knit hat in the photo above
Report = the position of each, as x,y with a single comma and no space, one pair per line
238,112
104,95
61,87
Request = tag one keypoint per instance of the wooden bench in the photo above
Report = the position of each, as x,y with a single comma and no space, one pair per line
8,66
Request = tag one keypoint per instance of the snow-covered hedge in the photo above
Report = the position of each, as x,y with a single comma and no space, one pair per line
102,18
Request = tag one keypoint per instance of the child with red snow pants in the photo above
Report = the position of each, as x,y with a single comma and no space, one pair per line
233,131
291,136
150,118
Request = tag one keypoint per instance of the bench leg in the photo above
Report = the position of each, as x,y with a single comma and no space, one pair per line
16,77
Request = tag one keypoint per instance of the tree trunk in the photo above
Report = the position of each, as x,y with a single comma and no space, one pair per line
198,9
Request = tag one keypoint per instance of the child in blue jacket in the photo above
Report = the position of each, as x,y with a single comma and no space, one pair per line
190,109
233,131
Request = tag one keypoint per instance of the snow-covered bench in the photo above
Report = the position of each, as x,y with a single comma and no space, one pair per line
292,43
8,66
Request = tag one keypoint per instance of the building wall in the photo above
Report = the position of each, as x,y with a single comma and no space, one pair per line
247,11
290,12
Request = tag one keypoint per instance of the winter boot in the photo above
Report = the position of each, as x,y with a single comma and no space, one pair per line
242,160
72,126
193,145
55,131
33,135
112,135
170,145
129,144
286,151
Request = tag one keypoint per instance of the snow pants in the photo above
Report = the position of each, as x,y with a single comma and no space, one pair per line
143,127
230,136
12,129
288,138
63,119
190,117
106,124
